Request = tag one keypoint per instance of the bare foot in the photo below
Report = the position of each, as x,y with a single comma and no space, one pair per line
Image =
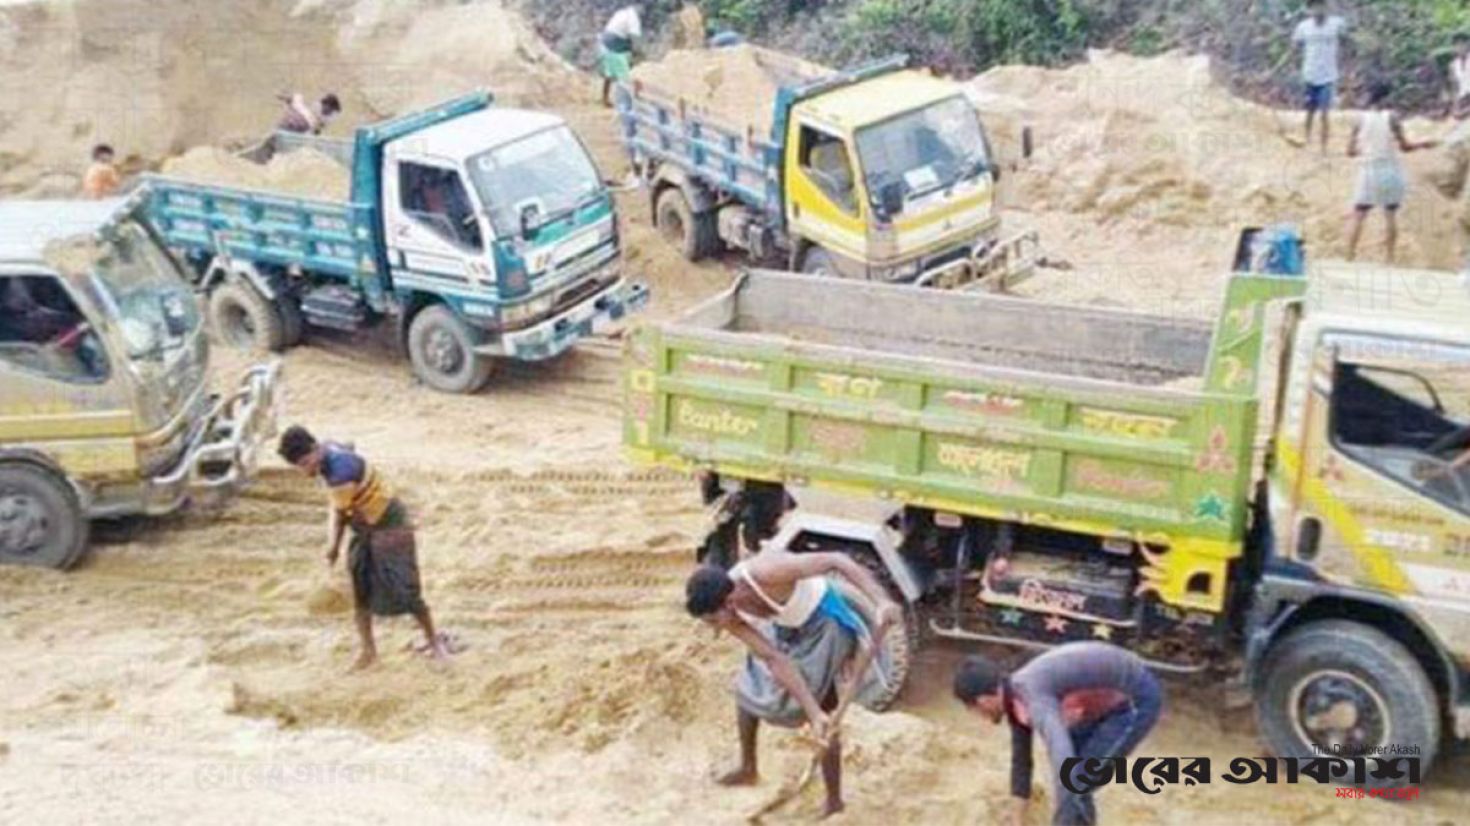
365,660
740,776
833,807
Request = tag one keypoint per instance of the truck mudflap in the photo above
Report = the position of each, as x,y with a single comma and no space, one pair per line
554,336
995,267
224,448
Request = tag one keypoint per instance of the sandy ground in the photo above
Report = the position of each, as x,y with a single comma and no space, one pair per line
190,671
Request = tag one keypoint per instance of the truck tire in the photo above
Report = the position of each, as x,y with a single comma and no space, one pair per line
901,644
441,349
245,319
1346,683
695,235
818,261
41,521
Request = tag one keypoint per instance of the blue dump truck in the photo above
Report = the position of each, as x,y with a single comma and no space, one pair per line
484,232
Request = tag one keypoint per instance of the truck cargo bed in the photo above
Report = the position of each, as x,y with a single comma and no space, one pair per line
991,330
970,403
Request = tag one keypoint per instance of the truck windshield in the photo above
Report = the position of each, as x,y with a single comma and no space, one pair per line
141,283
548,170
922,151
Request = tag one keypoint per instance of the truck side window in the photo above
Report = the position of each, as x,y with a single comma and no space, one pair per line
42,331
437,198
1410,425
825,159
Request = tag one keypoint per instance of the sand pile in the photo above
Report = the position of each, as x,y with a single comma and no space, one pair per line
1168,166
155,77
304,172
738,85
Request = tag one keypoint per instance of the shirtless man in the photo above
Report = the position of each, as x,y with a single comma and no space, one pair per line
809,620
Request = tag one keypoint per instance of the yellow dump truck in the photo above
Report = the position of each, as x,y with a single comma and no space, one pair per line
881,173
105,409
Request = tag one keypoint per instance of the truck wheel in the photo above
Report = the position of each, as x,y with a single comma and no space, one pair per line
442,350
694,235
818,261
245,319
41,521
1345,684
900,644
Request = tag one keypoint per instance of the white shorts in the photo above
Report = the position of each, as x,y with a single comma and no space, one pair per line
1380,184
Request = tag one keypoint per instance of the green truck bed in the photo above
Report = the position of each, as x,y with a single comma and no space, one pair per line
1080,418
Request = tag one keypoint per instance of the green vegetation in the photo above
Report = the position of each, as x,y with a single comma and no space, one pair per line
1404,41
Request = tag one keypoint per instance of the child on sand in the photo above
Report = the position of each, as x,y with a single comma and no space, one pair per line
1377,139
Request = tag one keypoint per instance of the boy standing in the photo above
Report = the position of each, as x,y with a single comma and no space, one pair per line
102,178
1319,36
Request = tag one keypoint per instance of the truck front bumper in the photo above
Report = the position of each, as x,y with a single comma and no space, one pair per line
555,335
994,266
223,447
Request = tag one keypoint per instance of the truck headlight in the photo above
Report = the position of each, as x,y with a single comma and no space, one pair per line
526,310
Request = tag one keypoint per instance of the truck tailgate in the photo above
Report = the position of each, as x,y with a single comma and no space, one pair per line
968,403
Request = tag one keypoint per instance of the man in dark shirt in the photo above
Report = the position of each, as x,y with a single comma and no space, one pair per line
382,556
1086,699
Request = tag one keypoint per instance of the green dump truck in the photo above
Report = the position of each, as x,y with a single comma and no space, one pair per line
1031,474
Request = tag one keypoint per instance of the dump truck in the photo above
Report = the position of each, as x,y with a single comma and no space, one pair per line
484,233
879,173
105,404
1029,474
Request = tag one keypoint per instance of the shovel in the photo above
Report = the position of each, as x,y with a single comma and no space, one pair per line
791,791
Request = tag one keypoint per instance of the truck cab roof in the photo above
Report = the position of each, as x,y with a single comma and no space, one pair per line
1390,300
26,227
459,138
879,98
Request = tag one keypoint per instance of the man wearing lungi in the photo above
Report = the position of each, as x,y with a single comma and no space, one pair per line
804,626
382,556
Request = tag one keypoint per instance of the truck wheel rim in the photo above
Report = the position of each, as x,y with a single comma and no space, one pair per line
673,226
1335,709
239,328
443,351
24,524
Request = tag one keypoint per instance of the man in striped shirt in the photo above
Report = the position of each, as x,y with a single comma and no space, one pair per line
382,556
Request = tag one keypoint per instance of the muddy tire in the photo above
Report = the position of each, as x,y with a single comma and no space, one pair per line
818,261
1337,682
244,319
901,644
441,349
41,521
694,235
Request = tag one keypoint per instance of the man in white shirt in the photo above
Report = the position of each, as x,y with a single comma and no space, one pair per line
1460,77
616,46
1319,36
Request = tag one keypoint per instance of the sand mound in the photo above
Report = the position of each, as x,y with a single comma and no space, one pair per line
305,172
738,85
1170,166
154,77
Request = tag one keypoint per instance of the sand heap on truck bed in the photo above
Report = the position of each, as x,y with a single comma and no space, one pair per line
305,173
737,85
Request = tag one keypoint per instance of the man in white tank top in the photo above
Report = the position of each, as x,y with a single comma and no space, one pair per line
802,630
1377,140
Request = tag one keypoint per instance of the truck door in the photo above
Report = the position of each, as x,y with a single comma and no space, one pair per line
63,394
1384,476
436,238
823,196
